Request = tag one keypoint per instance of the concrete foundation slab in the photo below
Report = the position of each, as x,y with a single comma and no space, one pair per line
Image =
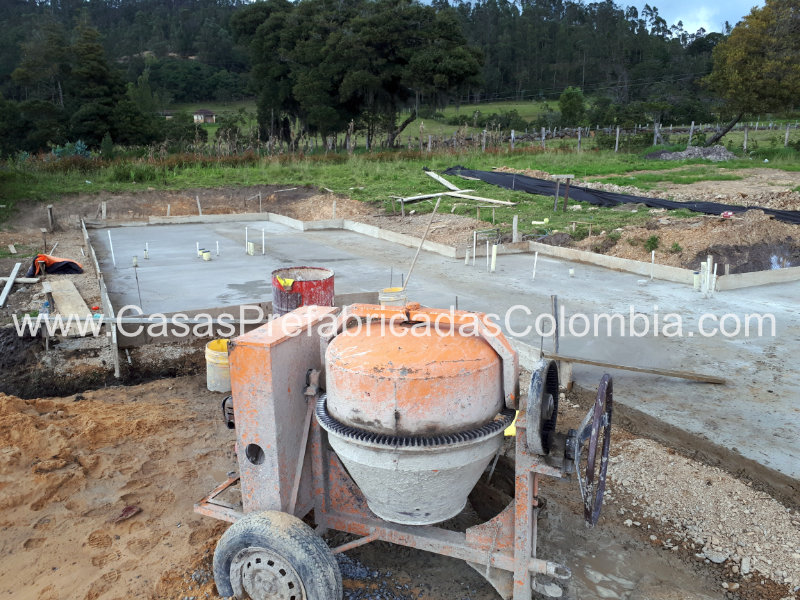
755,415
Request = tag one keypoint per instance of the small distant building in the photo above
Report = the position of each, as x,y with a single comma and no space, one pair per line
204,115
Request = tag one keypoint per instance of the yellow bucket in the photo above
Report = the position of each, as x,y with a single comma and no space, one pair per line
218,373
393,296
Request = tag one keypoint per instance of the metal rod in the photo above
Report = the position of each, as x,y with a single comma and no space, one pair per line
111,245
301,456
356,543
421,242
474,246
554,303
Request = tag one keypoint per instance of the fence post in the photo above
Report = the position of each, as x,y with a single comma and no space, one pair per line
579,139
512,139
691,133
543,135
616,144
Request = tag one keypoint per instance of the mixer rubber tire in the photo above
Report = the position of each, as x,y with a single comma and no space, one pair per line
284,536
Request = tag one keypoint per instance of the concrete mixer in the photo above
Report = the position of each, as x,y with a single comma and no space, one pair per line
379,422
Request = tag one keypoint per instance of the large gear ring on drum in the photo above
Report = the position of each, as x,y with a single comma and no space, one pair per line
542,406
598,418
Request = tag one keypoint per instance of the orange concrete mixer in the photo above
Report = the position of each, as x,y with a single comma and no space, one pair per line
380,421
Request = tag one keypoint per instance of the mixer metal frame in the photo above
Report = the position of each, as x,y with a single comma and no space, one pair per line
505,543
503,549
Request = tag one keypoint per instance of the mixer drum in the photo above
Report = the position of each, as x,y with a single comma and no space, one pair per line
415,416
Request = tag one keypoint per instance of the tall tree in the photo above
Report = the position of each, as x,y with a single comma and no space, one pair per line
757,69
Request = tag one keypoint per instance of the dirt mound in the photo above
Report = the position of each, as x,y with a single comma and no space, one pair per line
685,242
557,239
714,154
746,259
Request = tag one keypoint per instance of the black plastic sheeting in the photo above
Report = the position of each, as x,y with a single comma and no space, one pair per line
542,187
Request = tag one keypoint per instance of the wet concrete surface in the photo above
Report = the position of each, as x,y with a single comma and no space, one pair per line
755,415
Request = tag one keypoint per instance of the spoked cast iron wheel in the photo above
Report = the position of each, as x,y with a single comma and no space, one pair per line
274,556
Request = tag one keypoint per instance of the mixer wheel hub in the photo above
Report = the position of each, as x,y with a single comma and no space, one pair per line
262,575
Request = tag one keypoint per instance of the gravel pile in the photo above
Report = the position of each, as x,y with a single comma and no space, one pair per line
372,585
714,154
706,511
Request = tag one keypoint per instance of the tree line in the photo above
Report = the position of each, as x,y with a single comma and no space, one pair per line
72,70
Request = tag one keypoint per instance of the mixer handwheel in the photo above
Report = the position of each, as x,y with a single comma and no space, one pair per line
596,429
275,556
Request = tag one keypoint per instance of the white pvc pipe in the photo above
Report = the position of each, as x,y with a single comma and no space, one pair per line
535,260
494,257
652,263
487,255
466,257
111,245
263,243
714,279
217,248
245,240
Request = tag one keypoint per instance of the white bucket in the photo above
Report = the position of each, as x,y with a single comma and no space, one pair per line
393,296
218,373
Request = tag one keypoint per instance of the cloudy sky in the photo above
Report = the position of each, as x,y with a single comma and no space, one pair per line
709,14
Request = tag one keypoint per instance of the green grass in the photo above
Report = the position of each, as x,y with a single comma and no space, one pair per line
528,110
372,178
23,251
375,177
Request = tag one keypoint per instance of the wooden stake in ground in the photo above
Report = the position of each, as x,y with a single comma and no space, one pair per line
199,208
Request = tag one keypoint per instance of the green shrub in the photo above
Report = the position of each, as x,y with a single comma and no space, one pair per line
676,248
614,236
132,173
652,243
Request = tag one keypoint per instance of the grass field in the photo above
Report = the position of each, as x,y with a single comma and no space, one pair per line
376,177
